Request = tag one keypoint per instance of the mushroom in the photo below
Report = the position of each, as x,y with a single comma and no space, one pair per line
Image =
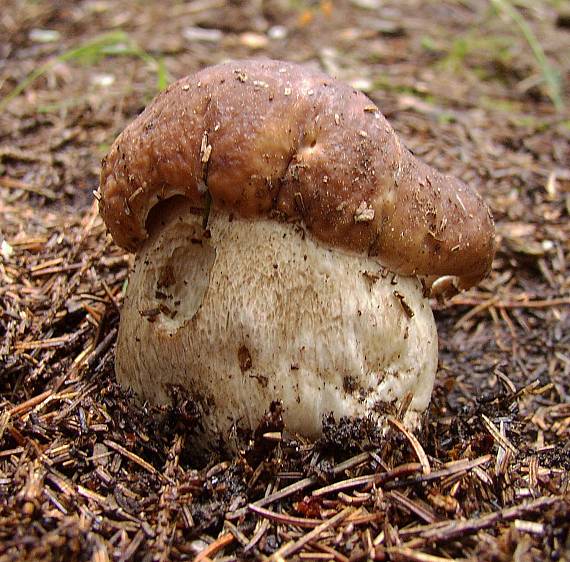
280,227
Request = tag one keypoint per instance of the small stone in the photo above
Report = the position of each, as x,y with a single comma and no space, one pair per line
362,84
197,546
277,32
103,80
366,4
253,40
44,35
6,250
202,34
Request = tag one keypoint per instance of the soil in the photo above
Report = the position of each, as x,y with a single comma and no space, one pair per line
86,473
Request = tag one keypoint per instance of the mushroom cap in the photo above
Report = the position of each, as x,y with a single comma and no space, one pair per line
278,140
282,319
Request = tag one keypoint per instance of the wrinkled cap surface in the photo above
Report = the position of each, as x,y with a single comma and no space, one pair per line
279,140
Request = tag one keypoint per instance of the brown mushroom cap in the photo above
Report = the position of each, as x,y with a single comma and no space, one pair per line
279,140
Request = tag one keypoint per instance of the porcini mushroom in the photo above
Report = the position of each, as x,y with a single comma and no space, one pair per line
280,226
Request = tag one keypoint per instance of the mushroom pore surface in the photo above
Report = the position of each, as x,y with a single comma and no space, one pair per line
275,140
250,311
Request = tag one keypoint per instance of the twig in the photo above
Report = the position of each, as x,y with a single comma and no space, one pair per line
299,486
285,518
131,549
335,554
30,403
412,555
544,303
60,269
381,477
453,468
418,449
412,506
168,510
452,529
239,536
109,293
11,183
497,435
262,528
59,341
101,348
219,544
134,458
476,310
291,548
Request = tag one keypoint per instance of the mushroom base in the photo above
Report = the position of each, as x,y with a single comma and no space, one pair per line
250,312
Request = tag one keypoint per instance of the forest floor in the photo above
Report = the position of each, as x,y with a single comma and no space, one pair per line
87,474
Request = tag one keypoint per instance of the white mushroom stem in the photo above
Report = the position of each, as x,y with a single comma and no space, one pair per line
258,312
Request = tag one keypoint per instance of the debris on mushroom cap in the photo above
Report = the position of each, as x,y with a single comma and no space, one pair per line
279,140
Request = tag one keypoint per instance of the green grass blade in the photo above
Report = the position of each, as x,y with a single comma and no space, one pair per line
549,75
89,48
115,43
